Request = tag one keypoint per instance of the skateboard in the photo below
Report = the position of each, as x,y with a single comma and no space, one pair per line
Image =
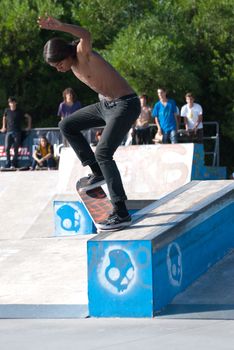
14,169
96,202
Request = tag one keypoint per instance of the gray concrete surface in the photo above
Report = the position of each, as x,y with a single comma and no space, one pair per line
200,318
46,277
23,197
41,275
115,334
43,272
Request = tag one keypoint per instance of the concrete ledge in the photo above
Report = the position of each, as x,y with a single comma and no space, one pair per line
138,271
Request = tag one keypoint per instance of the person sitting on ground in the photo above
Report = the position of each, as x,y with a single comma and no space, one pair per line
43,156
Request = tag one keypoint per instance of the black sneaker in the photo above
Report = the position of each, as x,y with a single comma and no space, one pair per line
89,182
114,222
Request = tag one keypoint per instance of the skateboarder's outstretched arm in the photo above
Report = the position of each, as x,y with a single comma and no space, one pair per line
51,23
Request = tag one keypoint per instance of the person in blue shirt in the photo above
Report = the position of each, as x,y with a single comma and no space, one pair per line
165,115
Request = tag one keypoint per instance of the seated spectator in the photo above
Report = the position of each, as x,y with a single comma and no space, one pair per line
142,125
192,114
165,114
43,156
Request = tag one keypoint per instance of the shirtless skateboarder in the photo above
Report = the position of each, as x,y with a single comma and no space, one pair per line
116,112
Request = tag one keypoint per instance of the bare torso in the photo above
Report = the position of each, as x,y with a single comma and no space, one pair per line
100,76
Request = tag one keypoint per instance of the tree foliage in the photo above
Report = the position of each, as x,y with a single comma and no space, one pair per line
183,45
22,71
105,18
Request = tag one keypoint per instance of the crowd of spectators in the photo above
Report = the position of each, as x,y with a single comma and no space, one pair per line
157,124
12,126
167,119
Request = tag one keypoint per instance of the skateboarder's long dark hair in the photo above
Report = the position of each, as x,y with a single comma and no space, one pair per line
57,49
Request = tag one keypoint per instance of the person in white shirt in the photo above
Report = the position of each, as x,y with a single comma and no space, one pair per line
192,114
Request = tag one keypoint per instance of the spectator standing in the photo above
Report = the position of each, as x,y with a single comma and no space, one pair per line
43,156
12,125
192,114
165,114
69,105
142,125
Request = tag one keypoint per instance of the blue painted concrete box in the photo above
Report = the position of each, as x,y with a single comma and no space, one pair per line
183,260
71,218
120,278
162,254
202,172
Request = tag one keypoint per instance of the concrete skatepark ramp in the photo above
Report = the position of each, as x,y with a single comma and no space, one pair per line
42,276
148,171
46,276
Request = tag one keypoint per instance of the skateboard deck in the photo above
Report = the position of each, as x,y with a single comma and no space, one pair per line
14,169
96,202
7,169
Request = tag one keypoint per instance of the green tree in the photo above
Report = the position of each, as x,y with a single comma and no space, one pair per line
186,46
22,72
105,18
183,45
152,58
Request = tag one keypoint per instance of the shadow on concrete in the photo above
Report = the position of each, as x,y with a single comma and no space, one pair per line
210,297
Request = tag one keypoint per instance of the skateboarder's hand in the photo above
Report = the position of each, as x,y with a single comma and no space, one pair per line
49,22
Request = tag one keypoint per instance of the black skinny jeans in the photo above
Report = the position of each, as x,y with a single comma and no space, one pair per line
117,117
12,138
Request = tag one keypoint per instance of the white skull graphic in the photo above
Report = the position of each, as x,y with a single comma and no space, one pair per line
120,271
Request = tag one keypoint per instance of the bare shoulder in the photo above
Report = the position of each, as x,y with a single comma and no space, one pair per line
91,57
84,46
